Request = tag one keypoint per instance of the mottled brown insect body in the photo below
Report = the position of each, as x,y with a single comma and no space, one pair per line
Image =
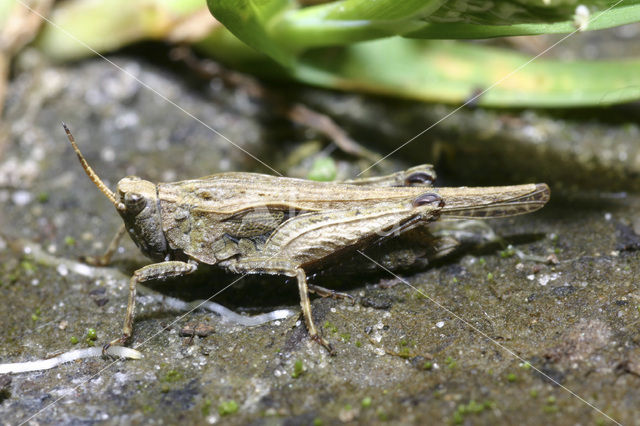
255,223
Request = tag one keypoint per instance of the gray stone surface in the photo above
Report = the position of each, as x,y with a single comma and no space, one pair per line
401,357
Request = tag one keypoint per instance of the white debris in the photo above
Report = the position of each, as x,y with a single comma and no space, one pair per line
47,364
225,313
21,198
62,270
543,280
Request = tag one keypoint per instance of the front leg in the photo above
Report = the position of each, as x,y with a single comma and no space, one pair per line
105,259
156,271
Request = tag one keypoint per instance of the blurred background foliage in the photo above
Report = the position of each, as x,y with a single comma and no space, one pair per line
401,49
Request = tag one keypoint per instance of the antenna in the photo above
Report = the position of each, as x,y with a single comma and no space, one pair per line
87,168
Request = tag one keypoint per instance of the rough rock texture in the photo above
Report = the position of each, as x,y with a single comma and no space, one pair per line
449,347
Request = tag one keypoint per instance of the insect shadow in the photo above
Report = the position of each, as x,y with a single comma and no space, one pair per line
254,294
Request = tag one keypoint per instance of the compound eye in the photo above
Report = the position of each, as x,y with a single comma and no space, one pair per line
428,198
419,178
134,202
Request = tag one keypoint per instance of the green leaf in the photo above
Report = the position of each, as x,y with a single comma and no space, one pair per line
349,21
81,28
453,72
283,30
450,72
620,15
249,20
297,38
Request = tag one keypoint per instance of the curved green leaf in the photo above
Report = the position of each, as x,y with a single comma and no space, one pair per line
250,20
349,21
282,29
451,72
619,15
454,72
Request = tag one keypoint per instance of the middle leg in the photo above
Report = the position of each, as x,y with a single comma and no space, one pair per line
287,268
306,310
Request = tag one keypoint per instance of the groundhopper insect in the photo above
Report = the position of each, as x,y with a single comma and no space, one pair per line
250,223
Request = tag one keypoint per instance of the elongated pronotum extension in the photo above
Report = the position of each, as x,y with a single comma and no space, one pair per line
490,202
87,168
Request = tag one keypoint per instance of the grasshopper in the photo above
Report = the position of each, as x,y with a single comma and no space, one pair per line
249,223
